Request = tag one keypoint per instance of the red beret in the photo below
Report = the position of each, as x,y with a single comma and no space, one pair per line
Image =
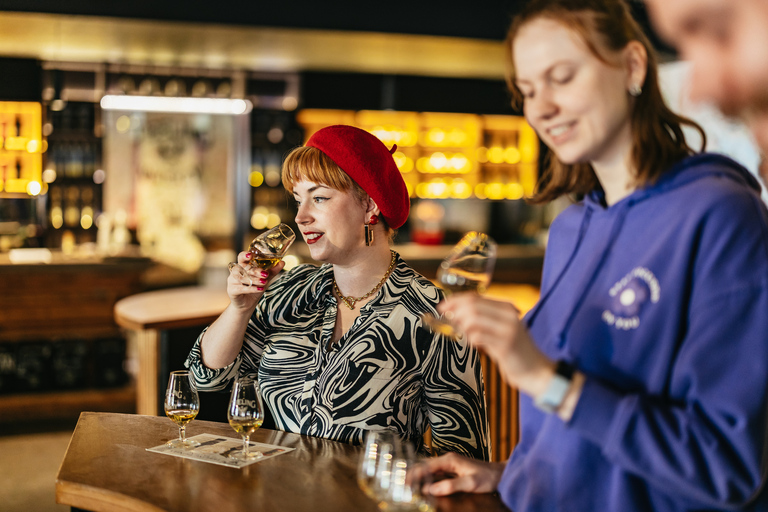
370,164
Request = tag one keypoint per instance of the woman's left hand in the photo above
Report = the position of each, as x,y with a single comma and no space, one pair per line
495,327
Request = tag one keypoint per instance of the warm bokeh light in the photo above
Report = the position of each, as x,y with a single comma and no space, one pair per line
259,217
123,124
512,155
460,189
86,221
273,220
57,218
435,136
272,177
438,161
34,188
255,179
290,103
33,146
481,154
514,191
496,155
494,191
290,262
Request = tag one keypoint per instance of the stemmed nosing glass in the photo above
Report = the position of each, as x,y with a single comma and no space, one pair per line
181,405
468,267
266,250
245,414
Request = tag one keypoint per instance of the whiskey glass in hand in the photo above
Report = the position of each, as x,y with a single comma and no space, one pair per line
468,267
266,250
181,405
245,414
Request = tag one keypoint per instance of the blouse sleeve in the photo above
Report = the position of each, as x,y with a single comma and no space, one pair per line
455,398
247,361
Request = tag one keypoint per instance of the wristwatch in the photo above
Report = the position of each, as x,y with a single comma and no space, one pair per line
552,398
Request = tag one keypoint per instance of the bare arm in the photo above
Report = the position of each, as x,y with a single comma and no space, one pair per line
223,340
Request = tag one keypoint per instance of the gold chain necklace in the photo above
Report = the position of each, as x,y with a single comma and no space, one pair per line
350,301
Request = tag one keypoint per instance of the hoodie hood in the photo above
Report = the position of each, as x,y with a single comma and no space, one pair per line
590,224
690,169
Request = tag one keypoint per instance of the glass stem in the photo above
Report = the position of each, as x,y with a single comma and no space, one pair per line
245,445
183,433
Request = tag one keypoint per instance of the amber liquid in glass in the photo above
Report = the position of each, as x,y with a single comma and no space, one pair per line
181,416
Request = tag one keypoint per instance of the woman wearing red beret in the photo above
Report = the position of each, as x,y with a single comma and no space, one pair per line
340,349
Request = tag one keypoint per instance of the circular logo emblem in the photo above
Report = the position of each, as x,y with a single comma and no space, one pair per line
628,296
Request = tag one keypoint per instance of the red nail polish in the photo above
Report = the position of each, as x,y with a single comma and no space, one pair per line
262,280
260,288
248,255
264,273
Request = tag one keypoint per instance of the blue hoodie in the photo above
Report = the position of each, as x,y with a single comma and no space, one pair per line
661,300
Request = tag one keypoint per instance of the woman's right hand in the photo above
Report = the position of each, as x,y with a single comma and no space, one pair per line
245,297
463,475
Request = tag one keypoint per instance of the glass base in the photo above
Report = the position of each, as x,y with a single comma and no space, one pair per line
440,326
178,443
241,455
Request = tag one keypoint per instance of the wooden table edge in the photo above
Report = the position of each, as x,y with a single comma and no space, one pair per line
98,500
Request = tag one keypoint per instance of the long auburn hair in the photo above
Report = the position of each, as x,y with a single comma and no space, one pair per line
607,26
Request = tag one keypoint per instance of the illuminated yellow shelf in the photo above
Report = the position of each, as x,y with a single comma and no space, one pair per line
21,149
446,155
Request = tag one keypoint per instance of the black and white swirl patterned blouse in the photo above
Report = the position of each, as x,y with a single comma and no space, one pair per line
386,372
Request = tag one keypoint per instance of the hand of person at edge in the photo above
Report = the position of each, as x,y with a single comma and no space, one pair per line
463,474
246,297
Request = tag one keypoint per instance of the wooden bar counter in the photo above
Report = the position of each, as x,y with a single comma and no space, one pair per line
63,301
146,314
107,468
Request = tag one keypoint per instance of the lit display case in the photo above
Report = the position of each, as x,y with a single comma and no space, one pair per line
21,149
447,155
463,171
22,216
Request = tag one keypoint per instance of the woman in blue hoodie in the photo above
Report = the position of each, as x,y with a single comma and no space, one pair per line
643,369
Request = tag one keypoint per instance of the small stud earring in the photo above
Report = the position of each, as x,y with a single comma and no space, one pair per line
635,90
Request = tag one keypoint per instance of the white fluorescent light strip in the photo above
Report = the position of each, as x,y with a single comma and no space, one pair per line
178,105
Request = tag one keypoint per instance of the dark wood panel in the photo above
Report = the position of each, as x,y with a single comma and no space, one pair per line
33,407
71,299
502,403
